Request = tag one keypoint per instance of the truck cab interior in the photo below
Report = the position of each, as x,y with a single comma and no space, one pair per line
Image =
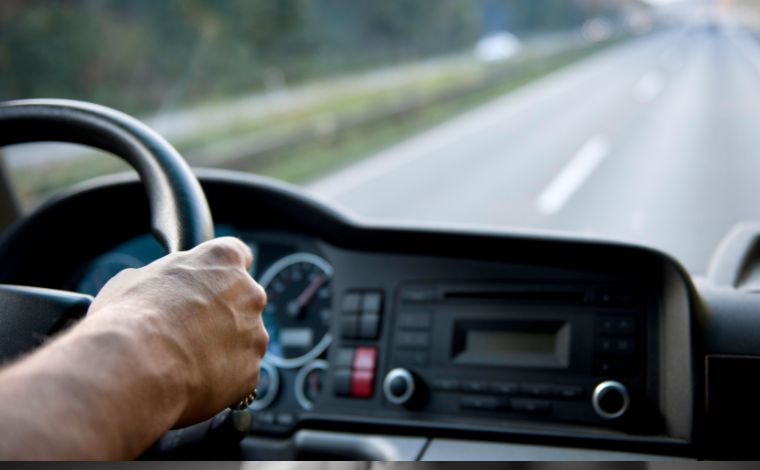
419,340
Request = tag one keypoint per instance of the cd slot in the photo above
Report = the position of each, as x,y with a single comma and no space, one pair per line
575,297
522,296
502,293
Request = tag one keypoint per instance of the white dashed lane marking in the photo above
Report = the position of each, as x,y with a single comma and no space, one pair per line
572,177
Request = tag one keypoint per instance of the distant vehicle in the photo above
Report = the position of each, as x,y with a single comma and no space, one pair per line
597,30
497,46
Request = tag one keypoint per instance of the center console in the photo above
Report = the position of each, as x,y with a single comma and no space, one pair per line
503,353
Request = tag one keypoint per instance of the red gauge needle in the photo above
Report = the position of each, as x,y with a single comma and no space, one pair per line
295,307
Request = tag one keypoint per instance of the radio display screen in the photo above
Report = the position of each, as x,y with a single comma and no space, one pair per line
512,343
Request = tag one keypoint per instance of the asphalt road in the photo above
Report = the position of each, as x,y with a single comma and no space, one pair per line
655,141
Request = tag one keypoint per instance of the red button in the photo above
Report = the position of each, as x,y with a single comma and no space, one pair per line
361,383
365,359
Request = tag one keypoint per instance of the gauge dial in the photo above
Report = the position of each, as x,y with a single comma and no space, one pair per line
310,382
297,315
267,388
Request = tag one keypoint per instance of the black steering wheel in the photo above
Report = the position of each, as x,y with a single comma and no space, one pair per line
180,220
180,216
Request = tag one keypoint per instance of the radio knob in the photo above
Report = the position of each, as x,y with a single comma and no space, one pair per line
610,399
399,386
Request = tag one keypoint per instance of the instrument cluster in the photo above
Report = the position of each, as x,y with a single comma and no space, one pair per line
297,280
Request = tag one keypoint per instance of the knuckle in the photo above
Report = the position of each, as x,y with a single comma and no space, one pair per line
258,295
260,298
225,251
126,273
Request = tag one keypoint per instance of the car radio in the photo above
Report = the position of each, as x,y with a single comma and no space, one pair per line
505,351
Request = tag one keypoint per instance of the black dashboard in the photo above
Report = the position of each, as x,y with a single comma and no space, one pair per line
440,340
425,338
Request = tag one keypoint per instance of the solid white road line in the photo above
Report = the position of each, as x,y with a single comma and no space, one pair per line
572,177
649,87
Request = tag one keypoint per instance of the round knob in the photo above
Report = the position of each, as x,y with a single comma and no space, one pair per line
399,386
610,399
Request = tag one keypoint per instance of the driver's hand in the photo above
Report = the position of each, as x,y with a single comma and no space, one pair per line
198,315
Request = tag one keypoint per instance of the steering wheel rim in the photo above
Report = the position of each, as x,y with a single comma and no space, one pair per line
180,220
180,215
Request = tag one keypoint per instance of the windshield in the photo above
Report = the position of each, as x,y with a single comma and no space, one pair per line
629,119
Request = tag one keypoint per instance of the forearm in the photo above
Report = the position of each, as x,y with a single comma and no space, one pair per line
94,393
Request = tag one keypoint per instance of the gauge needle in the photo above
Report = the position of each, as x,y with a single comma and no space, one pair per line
303,300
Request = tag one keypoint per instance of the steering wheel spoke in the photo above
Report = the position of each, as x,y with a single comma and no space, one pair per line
30,315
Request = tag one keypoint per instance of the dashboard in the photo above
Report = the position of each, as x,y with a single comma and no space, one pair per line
400,342
476,342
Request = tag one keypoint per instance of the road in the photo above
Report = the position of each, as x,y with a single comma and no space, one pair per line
655,141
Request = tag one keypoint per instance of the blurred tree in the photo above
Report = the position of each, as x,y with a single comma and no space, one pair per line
141,55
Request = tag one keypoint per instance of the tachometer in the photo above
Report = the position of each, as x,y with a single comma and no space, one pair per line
297,315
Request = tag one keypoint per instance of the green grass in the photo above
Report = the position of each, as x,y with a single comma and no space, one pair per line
307,162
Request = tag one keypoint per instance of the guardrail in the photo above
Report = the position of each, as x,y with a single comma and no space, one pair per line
247,151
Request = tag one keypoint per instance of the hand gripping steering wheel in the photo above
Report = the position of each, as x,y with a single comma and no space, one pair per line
180,215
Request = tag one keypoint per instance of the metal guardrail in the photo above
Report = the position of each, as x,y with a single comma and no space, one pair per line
246,152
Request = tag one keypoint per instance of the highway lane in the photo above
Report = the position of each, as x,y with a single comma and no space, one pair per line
654,141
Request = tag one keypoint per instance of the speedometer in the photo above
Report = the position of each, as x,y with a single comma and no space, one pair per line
297,315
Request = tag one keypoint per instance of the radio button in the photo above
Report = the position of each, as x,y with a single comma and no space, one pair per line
362,383
419,294
344,359
536,390
421,320
570,392
365,358
445,385
351,302
475,386
263,418
615,368
369,325
285,419
342,383
412,358
534,407
505,388
624,347
349,325
617,325
413,339
616,346
479,403
372,302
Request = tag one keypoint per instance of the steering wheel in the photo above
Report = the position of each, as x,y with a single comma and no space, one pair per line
180,215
